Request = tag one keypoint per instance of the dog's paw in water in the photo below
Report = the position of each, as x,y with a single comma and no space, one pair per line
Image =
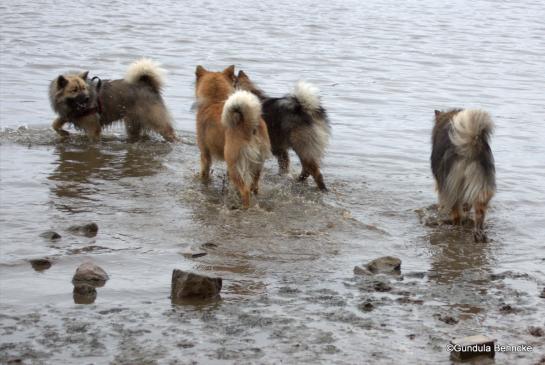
480,236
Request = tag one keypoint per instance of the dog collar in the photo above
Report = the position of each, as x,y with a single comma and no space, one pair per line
98,108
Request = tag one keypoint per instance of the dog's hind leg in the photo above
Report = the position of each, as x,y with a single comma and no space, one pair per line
255,180
237,180
455,215
57,126
206,162
312,168
480,212
283,158
158,119
134,129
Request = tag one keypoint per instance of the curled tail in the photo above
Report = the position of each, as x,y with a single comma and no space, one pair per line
241,110
470,132
147,71
307,95
471,177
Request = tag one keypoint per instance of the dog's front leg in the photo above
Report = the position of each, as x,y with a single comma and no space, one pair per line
57,126
91,125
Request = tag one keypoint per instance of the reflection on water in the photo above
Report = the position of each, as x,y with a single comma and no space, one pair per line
80,168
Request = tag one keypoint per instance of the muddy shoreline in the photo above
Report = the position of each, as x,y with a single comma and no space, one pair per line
289,289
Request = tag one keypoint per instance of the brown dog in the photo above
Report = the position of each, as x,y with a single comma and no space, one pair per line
136,100
230,128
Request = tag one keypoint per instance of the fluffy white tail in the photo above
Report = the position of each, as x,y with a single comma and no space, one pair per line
148,71
470,129
241,110
308,95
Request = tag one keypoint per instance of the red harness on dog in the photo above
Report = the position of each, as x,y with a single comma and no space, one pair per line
98,108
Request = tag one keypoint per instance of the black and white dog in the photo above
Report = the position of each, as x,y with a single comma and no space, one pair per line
297,121
463,165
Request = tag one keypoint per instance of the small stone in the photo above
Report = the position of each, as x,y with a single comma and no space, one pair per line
385,265
193,254
381,286
189,285
40,264
84,294
208,245
468,347
50,235
90,274
446,319
536,331
87,230
411,336
360,270
542,295
507,309
366,306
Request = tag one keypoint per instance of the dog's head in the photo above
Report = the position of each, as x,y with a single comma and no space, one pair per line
73,93
243,82
212,85
445,116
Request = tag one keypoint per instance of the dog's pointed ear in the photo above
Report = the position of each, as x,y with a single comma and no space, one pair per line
199,71
230,72
242,75
437,115
61,82
84,75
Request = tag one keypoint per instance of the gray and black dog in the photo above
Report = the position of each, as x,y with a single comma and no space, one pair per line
136,100
297,121
463,165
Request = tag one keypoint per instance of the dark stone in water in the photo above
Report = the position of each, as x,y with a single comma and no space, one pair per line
186,285
508,309
40,264
84,294
385,265
382,265
193,254
446,318
90,274
360,270
542,295
381,286
208,245
87,230
50,235
468,347
536,331
366,306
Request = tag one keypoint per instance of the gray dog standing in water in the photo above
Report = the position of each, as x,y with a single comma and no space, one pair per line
463,165
136,100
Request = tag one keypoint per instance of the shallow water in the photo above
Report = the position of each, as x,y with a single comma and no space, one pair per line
289,291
